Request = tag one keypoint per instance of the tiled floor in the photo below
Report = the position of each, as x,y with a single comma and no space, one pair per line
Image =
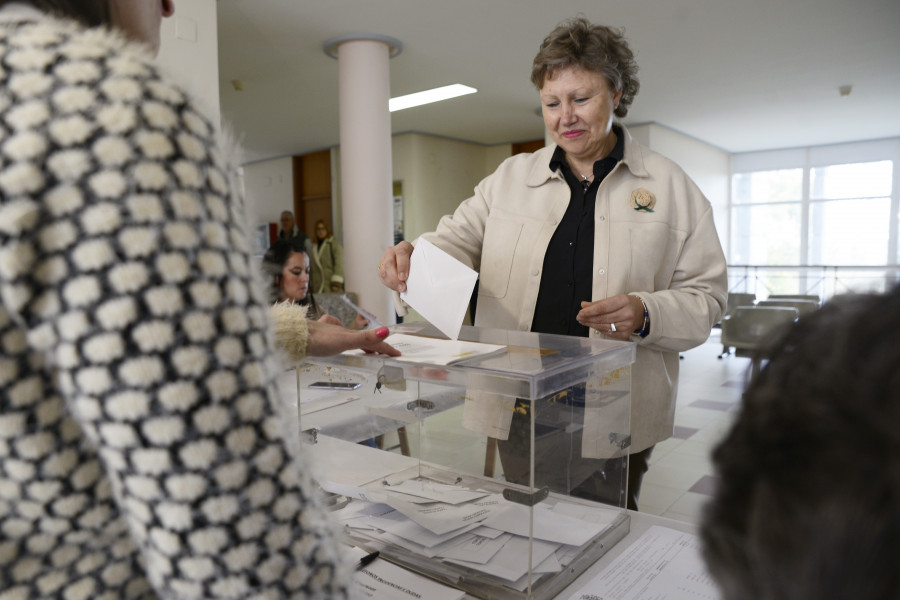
680,477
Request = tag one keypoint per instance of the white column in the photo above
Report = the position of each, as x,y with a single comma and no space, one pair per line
366,168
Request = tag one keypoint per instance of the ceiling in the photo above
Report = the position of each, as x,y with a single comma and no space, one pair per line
741,75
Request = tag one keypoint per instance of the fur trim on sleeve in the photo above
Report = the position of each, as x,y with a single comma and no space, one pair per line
291,329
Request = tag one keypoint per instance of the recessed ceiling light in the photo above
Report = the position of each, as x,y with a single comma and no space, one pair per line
428,96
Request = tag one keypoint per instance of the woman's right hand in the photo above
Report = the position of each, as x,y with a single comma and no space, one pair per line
393,270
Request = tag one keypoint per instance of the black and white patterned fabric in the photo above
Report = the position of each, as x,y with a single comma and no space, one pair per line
141,455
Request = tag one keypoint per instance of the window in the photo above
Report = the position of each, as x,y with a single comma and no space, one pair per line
848,222
766,217
821,229
850,213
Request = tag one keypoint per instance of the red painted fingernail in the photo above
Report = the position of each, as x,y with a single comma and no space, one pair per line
382,332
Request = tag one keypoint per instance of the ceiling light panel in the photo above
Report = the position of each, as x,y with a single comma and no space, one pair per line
428,96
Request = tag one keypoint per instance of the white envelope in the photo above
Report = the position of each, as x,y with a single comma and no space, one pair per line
439,287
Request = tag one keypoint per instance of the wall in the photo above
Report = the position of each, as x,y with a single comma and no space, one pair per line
437,175
269,189
707,165
189,52
494,155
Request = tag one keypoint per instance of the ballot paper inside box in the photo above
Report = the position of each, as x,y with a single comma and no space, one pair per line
486,544
539,431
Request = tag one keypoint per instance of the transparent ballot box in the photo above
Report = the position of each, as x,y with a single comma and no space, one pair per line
498,467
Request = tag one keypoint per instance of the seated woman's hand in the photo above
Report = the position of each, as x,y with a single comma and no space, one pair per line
328,340
330,320
393,270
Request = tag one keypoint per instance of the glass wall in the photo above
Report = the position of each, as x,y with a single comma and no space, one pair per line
815,221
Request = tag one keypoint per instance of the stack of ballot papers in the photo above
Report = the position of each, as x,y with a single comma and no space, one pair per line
420,349
473,529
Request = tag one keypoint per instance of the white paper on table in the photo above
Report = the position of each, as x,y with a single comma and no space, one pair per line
382,580
439,287
511,563
436,492
663,564
548,525
443,518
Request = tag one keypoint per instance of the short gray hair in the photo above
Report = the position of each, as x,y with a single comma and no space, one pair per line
579,43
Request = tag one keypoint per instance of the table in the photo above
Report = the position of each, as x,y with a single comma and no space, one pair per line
356,465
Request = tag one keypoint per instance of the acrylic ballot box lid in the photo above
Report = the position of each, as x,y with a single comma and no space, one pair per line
533,365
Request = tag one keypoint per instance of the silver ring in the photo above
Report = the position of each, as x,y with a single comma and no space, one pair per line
612,327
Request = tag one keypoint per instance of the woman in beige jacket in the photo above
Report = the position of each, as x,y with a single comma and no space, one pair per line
594,235
327,262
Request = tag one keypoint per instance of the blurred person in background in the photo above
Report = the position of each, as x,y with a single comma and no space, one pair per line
289,230
327,261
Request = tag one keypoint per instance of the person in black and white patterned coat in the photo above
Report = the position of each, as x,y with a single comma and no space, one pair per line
141,453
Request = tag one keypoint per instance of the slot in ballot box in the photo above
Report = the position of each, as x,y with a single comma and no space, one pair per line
554,409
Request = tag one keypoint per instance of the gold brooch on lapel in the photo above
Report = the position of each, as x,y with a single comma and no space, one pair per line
643,200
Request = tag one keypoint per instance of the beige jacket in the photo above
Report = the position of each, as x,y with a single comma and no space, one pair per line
670,256
326,266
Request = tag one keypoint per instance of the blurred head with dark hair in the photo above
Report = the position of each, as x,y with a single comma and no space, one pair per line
808,504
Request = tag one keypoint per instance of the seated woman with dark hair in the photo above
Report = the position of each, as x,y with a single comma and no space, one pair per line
288,264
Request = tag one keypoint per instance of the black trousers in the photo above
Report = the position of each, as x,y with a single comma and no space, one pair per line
558,463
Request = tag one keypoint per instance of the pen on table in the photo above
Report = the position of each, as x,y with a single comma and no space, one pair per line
365,560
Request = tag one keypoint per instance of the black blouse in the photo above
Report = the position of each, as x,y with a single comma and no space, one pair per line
567,275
